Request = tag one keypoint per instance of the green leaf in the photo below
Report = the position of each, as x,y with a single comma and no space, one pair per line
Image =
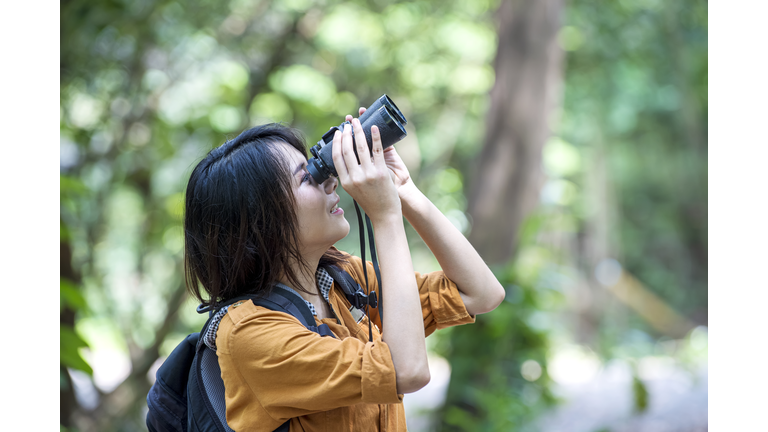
64,234
69,355
640,393
69,184
71,296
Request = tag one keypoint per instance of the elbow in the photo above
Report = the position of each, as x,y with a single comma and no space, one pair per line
413,381
499,295
493,298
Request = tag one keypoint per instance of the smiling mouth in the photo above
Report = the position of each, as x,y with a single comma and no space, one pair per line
336,209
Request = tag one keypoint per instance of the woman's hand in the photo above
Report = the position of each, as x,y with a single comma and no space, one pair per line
399,172
368,181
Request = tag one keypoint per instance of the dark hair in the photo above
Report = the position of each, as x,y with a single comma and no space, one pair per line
240,223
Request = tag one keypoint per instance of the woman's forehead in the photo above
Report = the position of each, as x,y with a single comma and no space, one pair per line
290,153
292,157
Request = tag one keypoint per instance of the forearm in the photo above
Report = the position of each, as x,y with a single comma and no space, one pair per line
461,263
402,321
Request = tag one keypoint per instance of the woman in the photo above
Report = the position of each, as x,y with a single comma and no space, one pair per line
255,218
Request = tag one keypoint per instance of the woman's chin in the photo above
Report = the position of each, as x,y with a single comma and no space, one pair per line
346,229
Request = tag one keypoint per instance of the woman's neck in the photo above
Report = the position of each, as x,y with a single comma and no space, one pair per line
305,275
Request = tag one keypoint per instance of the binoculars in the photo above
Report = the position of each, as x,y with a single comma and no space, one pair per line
383,113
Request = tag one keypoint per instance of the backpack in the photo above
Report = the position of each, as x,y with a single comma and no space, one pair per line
188,393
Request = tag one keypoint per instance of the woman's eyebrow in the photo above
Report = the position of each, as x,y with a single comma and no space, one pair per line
299,167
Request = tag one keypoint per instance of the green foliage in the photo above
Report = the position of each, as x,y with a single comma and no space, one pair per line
635,107
490,389
147,88
627,177
70,343
640,394
70,296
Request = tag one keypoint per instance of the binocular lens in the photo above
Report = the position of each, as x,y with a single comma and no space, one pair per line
383,113
390,104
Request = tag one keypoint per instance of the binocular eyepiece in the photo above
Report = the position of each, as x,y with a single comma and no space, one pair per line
383,113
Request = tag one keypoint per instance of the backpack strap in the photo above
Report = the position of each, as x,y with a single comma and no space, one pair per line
352,290
282,300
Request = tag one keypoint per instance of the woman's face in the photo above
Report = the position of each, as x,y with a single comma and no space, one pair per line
321,221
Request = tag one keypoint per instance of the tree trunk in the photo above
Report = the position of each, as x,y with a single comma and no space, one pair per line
508,176
504,189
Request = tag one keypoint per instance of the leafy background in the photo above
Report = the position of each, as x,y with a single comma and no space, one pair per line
610,262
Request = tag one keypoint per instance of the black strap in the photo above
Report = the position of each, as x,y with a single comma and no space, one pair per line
365,266
375,263
352,290
362,242
284,300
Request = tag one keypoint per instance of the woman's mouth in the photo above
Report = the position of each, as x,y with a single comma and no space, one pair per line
336,210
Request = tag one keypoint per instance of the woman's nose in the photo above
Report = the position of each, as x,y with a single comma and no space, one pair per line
330,184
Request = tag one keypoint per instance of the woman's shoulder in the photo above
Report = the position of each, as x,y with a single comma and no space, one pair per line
247,320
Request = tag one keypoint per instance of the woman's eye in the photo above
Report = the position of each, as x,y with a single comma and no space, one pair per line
306,177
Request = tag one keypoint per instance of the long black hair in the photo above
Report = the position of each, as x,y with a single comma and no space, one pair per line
240,223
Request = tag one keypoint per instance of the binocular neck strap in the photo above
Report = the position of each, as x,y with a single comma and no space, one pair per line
365,265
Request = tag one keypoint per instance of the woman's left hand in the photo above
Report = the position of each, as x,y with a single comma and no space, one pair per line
397,169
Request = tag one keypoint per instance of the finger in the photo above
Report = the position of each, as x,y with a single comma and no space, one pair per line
361,111
361,144
338,158
348,152
348,118
377,147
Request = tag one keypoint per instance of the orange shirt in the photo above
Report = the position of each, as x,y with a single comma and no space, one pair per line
274,369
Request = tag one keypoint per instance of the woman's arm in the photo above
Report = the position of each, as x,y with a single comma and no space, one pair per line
370,184
479,288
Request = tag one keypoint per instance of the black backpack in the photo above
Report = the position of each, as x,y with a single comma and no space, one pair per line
188,393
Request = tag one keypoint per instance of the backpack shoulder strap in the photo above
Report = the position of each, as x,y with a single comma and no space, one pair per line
352,290
282,300
345,280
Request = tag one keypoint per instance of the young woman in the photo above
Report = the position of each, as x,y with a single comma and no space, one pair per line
256,218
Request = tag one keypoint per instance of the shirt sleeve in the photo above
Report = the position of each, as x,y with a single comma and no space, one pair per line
441,303
293,371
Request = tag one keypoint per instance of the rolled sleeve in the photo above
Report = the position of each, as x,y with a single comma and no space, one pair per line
441,302
379,383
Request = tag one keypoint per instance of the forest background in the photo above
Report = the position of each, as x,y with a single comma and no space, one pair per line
567,140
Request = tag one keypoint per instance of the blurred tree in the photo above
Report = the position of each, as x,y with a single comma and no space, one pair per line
486,389
635,109
528,66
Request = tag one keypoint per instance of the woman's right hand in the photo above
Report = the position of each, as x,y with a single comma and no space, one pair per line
370,184
367,182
